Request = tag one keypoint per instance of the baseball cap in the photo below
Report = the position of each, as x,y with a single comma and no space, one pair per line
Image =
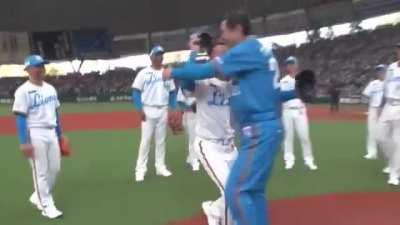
291,60
34,61
157,50
380,67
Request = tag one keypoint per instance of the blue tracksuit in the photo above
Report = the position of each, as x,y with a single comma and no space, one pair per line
255,105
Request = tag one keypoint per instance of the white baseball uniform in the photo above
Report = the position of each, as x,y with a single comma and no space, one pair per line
389,121
295,118
39,104
374,93
155,97
189,123
214,142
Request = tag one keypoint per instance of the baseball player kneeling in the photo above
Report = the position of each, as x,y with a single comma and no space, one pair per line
295,119
35,107
389,121
152,95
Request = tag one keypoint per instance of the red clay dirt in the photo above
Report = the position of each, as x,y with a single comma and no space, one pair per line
129,120
335,209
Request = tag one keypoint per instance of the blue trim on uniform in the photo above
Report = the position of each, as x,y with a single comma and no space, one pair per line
58,126
22,129
137,99
172,99
287,95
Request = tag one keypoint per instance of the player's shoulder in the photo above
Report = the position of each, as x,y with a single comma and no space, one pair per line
23,87
286,78
393,65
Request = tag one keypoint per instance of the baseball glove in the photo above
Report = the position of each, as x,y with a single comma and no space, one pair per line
175,122
65,148
305,85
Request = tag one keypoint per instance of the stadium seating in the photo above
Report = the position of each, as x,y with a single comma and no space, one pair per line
348,60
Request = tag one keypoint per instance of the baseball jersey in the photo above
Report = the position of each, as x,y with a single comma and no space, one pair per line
213,117
374,91
38,103
155,91
288,83
392,82
255,87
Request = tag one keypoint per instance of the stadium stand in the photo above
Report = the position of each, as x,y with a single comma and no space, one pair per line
348,60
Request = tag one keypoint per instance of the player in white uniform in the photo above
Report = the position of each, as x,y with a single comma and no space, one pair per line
374,93
152,95
188,107
389,120
294,118
35,106
214,143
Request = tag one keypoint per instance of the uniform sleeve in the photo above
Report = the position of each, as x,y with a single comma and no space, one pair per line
137,99
22,129
171,85
138,83
367,91
286,85
20,105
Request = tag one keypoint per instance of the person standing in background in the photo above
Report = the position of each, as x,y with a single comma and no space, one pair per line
295,120
374,93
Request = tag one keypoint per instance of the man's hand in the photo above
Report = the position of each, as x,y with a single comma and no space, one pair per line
166,74
142,116
27,150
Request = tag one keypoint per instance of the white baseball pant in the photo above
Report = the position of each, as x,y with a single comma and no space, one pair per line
45,164
295,120
189,123
389,137
155,123
217,160
372,126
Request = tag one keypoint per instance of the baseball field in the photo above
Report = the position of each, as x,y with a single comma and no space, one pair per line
96,185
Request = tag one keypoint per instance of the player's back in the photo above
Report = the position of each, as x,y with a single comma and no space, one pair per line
213,113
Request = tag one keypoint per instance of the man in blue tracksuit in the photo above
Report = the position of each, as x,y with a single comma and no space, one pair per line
255,105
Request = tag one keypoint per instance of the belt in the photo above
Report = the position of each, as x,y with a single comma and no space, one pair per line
393,102
295,108
221,141
156,106
43,128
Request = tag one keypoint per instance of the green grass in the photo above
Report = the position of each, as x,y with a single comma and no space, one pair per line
96,185
5,109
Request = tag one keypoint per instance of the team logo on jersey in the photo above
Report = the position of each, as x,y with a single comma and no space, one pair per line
38,100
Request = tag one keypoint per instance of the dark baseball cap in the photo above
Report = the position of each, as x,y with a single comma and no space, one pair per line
380,67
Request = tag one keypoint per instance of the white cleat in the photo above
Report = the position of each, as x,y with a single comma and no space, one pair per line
211,220
164,172
139,176
289,166
311,166
370,157
386,170
34,200
394,181
195,167
51,212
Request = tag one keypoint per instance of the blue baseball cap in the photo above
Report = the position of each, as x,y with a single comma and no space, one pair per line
291,60
34,61
157,50
380,67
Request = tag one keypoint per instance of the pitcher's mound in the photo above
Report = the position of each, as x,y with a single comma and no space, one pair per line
335,209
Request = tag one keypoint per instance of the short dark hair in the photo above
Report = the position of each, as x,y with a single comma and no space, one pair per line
234,19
